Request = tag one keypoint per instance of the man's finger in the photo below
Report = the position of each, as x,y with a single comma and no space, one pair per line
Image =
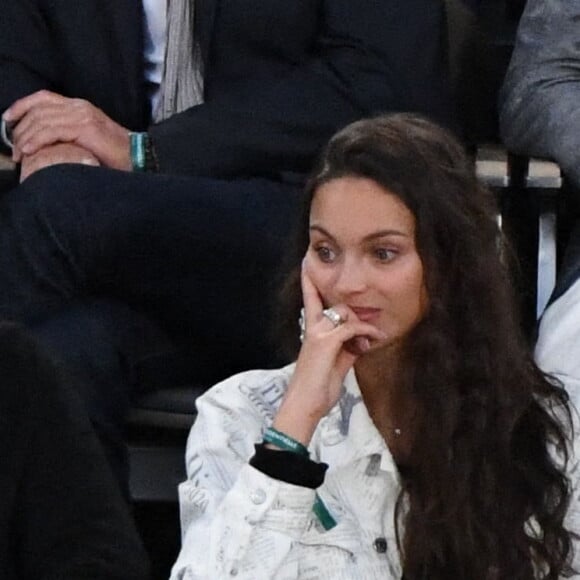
22,106
49,136
37,119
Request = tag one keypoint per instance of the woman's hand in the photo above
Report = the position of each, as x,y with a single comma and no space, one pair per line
328,352
44,118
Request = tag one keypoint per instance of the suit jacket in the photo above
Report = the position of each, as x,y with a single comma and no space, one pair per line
280,77
540,99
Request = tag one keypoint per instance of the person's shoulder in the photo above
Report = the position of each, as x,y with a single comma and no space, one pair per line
261,388
258,382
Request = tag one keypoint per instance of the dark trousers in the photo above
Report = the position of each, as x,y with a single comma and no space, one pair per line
138,281
62,514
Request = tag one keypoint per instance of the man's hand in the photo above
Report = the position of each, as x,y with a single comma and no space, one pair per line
54,155
46,118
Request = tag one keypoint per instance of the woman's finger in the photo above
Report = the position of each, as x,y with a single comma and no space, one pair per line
336,336
337,314
311,297
349,330
357,345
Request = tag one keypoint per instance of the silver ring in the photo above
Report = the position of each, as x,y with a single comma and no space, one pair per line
333,316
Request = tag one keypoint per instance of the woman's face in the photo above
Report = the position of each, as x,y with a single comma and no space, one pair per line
362,253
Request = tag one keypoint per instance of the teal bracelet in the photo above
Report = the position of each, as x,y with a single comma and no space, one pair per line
137,141
284,442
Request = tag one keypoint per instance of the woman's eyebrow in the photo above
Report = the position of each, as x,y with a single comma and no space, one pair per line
385,233
369,237
326,233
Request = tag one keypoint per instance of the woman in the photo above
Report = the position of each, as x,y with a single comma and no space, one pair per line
62,515
414,435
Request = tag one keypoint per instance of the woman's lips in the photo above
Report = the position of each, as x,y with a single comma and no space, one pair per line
366,314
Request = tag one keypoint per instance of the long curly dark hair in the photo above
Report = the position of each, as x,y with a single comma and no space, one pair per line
488,493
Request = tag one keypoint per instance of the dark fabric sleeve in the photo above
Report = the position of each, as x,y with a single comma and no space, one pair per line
371,56
289,467
88,49
27,59
67,516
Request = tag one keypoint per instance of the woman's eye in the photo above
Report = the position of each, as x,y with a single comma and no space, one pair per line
384,254
325,254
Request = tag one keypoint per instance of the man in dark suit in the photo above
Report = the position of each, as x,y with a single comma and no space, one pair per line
115,266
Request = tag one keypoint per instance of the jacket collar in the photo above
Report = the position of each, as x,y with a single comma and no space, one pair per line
348,434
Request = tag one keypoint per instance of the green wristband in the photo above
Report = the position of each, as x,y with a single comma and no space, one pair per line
137,141
284,442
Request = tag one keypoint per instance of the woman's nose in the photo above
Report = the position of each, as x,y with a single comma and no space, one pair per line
351,277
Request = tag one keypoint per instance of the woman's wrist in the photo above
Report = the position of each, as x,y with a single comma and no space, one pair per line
280,440
296,422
